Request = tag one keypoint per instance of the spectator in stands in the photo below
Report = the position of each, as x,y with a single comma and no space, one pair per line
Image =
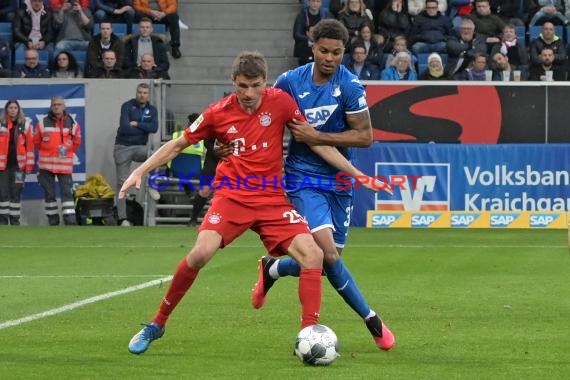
373,48
501,67
165,12
64,65
512,48
56,5
114,11
400,45
353,14
335,6
358,65
461,49
435,69
548,38
393,21
401,68
72,24
547,59
416,7
514,12
138,119
7,10
148,69
57,138
105,40
33,27
5,58
145,42
476,69
458,9
110,69
430,30
487,25
31,67
551,10
304,22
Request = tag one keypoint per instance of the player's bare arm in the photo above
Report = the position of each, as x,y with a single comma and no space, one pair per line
165,153
359,134
333,157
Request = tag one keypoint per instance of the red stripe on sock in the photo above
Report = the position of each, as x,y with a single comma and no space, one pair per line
183,279
310,294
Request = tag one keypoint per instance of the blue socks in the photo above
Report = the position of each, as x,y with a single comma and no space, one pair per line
339,277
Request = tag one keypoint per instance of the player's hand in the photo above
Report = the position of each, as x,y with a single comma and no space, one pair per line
133,180
374,184
222,151
303,131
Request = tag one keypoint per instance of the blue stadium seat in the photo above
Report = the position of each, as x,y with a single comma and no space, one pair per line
535,30
184,164
6,31
521,34
19,56
157,28
119,29
81,58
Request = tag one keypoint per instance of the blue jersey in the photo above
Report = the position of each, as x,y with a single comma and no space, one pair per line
325,107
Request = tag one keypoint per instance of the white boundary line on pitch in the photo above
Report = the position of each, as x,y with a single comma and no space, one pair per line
83,276
75,305
261,246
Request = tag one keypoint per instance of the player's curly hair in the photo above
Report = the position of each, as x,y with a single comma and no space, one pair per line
250,64
332,29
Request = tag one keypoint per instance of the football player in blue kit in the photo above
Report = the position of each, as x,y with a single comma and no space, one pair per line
334,102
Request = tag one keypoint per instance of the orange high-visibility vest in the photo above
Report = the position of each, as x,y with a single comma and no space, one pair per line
54,136
24,145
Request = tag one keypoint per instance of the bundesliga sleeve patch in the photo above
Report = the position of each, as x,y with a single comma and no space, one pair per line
196,123
362,101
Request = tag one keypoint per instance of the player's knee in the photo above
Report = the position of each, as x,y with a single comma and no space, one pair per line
330,256
198,257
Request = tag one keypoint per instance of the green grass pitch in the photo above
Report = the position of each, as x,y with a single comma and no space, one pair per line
463,304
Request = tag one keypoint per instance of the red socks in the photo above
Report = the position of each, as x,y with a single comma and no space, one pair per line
310,294
182,281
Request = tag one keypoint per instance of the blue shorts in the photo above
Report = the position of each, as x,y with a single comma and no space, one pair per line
324,209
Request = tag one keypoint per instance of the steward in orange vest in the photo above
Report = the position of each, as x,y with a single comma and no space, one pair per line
57,137
16,159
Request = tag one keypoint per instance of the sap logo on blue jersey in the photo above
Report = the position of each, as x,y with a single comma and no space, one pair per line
424,220
384,220
319,115
463,220
542,220
502,220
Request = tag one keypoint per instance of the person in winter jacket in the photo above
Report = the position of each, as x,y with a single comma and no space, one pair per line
138,119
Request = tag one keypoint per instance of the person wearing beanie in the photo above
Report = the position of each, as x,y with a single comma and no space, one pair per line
435,69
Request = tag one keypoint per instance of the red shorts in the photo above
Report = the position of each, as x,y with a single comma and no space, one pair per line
277,223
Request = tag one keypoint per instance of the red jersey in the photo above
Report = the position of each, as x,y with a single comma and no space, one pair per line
255,167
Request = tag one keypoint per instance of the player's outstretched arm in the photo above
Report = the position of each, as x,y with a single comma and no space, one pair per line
333,157
359,133
164,154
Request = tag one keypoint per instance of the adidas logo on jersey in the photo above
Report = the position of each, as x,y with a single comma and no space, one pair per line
232,129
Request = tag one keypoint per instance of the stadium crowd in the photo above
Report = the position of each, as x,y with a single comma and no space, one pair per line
69,38
445,40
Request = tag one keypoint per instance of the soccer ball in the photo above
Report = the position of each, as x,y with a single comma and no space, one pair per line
317,345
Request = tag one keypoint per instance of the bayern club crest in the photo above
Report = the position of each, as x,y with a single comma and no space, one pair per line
214,218
265,119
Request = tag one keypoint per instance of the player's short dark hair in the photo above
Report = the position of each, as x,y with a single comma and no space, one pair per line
332,29
250,64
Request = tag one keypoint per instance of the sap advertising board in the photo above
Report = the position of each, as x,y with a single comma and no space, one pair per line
467,178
